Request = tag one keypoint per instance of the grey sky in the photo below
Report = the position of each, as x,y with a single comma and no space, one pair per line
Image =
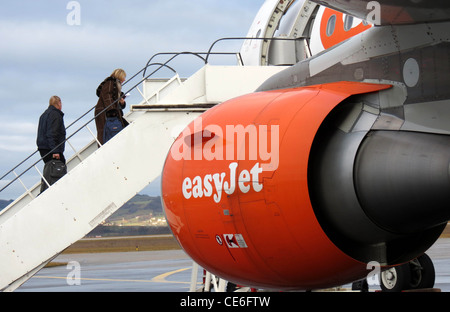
42,55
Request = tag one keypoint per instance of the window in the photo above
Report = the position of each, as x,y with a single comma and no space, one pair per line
348,22
331,25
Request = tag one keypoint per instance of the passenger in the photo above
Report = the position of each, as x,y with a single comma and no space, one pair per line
110,104
51,136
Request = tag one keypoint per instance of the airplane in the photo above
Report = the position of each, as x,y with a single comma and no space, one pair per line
337,163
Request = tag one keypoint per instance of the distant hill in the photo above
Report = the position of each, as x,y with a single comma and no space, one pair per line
139,205
142,206
4,203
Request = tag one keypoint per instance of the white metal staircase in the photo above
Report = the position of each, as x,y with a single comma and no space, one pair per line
87,195
35,229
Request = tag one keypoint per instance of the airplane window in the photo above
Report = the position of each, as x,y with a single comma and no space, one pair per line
331,25
348,22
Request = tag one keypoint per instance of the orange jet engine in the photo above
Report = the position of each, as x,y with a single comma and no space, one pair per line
236,192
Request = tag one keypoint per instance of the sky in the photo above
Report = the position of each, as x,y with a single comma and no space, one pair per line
66,48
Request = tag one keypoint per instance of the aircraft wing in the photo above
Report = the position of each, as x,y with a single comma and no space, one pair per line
392,12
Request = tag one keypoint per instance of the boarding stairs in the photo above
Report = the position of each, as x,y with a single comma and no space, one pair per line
35,228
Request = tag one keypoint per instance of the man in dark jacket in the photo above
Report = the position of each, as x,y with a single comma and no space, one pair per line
52,132
51,139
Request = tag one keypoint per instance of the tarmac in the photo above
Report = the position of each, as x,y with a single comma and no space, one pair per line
159,271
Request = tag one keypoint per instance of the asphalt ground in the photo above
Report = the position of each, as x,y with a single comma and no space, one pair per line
158,271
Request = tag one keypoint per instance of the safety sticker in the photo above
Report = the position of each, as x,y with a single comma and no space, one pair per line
235,241
240,240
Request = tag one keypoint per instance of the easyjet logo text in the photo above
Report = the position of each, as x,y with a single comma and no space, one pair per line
215,184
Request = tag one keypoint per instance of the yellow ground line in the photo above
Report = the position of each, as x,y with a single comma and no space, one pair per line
162,278
157,279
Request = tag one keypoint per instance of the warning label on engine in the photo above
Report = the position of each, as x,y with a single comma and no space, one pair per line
235,241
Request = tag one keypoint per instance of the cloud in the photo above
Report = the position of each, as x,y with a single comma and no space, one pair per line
42,55
41,46
17,127
115,31
17,136
17,143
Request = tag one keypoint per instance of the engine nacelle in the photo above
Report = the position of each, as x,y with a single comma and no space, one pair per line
236,191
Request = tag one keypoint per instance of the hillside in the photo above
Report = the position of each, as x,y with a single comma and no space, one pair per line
140,208
4,203
142,215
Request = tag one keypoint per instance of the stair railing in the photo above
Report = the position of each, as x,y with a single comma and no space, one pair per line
174,55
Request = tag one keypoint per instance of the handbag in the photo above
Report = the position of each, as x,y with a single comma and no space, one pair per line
54,170
57,169
112,126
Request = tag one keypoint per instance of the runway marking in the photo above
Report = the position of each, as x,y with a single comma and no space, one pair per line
157,279
94,279
162,278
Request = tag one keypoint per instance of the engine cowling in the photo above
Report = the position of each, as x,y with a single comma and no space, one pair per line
236,191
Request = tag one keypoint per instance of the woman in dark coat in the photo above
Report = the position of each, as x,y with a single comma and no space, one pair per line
109,91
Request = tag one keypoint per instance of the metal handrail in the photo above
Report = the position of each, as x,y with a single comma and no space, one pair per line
249,38
197,54
144,70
